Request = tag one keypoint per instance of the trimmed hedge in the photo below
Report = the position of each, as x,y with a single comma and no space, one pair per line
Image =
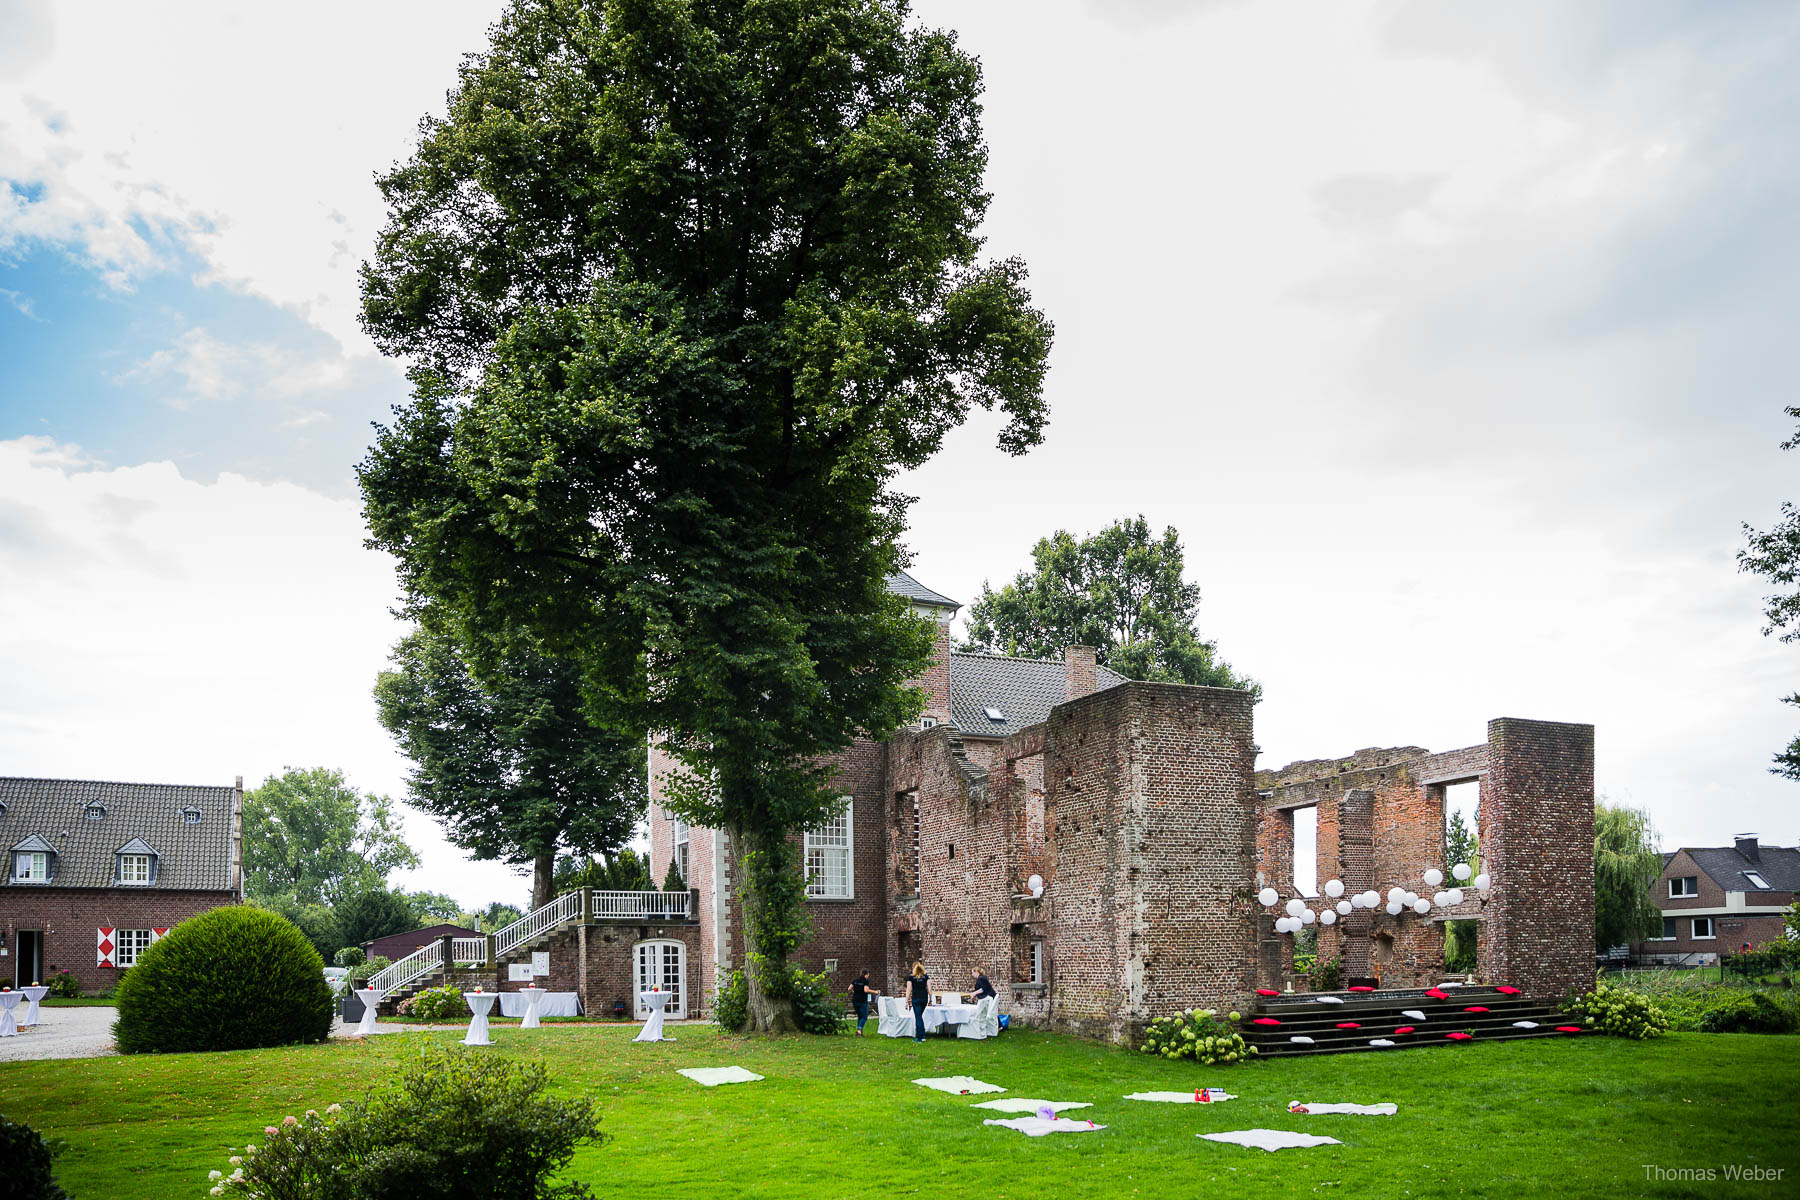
237,978
25,1164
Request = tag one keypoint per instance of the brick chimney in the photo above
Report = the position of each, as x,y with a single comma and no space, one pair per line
1079,673
1746,846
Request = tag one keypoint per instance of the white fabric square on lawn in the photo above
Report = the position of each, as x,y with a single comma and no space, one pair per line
1413,1013
1328,999
1218,1097
958,1085
1525,1024
1302,1041
714,1076
1038,1127
1269,1139
1382,1042
1030,1106
1359,1110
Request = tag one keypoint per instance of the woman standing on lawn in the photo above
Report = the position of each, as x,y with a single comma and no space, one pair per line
859,999
921,996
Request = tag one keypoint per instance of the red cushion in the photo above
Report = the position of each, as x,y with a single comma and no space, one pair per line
1507,991
1361,987
1568,1029
1348,1025
1406,1029
1475,1008
1457,1037
1265,1021
1435,994
1267,992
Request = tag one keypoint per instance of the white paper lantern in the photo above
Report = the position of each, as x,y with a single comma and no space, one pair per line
1462,872
1295,907
1267,897
1328,917
1280,924
1307,916
1437,898
1409,898
1421,906
1393,908
1453,897
1290,924
1344,907
1483,882
1433,877
1395,893
1334,888
1371,899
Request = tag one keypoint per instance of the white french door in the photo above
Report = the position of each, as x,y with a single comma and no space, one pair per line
662,965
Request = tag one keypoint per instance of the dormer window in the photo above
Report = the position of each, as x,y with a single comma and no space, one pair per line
95,811
927,721
190,815
995,715
33,861
135,864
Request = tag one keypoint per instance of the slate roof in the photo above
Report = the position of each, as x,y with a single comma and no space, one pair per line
902,584
1779,865
190,856
1022,690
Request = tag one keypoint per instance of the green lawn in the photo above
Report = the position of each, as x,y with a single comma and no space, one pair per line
837,1117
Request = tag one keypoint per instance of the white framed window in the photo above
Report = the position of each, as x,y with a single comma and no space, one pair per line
134,868
1037,962
927,721
1668,931
132,942
678,838
1703,928
1757,881
31,866
1684,885
828,856
662,965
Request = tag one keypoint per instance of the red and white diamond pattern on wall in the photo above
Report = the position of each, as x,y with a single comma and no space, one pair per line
156,934
105,945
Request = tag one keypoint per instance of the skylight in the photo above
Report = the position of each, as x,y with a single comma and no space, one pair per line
1757,880
995,715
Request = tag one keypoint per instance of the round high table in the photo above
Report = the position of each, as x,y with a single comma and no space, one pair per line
652,1031
370,998
10,999
534,1000
34,993
480,1004
939,1015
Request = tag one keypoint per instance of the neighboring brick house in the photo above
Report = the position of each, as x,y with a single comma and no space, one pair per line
1092,844
96,872
396,946
1715,899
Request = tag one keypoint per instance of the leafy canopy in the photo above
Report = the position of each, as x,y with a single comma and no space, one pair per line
1626,862
1121,591
312,838
1775,555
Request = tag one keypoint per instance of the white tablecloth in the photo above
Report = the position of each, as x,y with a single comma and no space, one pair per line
652,1031
370,997
8,1026
480,1004
554,1004
937,1015
33,994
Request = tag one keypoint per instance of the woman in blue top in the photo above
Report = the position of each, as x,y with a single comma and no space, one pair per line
921,996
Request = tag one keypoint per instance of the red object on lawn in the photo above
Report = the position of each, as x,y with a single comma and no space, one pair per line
1475,1008
1507,991
1457,1037
1267,992
1361,987
1265,1021
1568,1029
1348,1025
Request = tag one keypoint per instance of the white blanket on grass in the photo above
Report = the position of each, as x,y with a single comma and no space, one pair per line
1030,1106
1362,1110
714,1076
1180,1097
958,1085
1038,1127
1269,1139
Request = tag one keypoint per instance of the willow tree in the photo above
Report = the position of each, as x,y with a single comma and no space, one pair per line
1626,863
684,285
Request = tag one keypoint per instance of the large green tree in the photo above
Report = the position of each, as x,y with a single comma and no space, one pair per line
1775,555
312,838
685,285
1121,591
1626,863
510,764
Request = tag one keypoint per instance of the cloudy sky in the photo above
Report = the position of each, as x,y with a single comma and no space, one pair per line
1453,339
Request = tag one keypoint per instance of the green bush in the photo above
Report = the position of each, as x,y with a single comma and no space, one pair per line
235,978
453,1126
1196,1033
27,1163
1325,976
434,1004
349,956
1752,1012
63,985
731,1004
362,972
1620,1013
817,1008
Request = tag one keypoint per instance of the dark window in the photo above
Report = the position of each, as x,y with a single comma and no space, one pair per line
1703,927
1684,885
1668,929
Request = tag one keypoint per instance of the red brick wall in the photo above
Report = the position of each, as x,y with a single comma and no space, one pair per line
69,917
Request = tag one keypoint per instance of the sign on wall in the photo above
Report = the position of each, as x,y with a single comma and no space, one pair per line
519,972
540,962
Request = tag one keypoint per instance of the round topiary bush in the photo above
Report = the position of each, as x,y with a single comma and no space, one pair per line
230,979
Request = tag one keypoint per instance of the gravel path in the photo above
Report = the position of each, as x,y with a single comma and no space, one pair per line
63,1033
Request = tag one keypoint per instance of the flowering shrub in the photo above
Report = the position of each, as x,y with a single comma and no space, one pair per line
1612,1010
434,1004
1198,1034
63,986
467,1126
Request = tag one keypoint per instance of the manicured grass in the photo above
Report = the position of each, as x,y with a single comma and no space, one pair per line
838,1117
79,1002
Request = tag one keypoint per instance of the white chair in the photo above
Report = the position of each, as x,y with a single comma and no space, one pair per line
987,1020
892,1018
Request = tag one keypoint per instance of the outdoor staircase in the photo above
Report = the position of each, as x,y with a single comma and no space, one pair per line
1378,1015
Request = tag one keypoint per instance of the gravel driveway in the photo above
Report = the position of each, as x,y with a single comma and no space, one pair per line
62,1033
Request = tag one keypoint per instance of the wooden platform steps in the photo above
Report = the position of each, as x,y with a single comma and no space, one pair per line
1378,1015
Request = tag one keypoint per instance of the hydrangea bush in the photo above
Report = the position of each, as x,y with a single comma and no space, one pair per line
1620,1013
1199,1034
434,1004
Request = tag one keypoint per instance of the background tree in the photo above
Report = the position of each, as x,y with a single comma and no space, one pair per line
497,916
312,838
375,914
626,871
510,765
685,287
1460,845
1120,591
435,908
1775,556
1626,862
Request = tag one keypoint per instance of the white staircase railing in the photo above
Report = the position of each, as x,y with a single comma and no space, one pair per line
566,907
469,950
657,906
415,966
604,906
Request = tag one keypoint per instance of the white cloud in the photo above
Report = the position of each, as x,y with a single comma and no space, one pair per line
163,630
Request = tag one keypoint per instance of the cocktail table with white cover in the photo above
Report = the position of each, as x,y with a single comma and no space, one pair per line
653,1028
34,993
480,1004
370,997
939,1015
8,1026
534,1000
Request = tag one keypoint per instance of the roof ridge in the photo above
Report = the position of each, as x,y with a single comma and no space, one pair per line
223,787
1006,657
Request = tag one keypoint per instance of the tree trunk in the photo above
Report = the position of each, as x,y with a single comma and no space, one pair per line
771,1006
543,880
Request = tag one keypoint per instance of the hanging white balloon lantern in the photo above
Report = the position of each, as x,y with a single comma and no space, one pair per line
1308,916
1483,882
1328,917
1267,897
1395,893
1409,899
1437,898
1334,888
1453,897
1393,908
1462,872
1433,877
1421,906
1295,907
1344,907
